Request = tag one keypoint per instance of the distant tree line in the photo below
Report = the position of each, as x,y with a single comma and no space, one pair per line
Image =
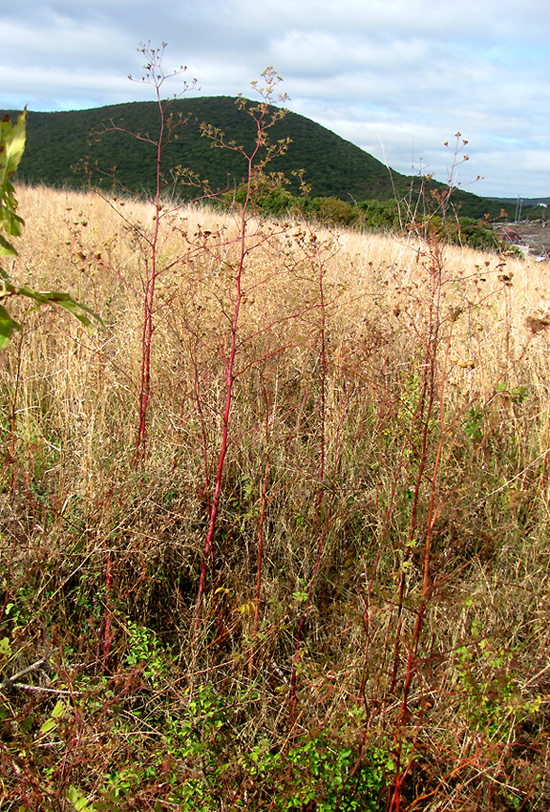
273,199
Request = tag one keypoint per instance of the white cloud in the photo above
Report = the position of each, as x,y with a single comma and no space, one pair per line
401,72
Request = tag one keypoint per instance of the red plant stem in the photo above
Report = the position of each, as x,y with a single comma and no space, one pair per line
432,515
323,384
424,412
108,614
261,527
149,300
203,434
292,701
429,390
230,373
366,614
229,381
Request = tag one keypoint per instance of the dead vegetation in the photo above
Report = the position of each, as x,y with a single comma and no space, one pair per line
374,625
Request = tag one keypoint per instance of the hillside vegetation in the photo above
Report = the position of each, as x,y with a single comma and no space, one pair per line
367,626
63,150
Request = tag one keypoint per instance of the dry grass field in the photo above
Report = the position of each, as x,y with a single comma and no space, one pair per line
295,559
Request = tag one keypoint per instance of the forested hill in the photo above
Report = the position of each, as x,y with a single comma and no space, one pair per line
59,144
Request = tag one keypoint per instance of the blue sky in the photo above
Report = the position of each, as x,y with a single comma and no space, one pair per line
396,77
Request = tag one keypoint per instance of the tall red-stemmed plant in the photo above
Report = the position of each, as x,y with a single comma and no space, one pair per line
155,76
263,116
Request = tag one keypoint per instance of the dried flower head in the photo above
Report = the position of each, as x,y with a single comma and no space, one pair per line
537,325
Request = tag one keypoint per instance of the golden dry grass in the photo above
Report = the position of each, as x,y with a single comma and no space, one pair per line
388,444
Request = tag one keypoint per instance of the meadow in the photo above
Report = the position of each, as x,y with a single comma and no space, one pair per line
275,538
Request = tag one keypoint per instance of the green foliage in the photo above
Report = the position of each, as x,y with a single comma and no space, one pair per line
144,651
5,651
333,167
60,141
12,146
273,199
203,745
317,768
336,212
269,195
79,800
490,697
52,722
473,424
538,212
467,231
335,777
379,214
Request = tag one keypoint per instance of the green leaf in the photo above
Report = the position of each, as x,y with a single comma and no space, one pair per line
5,648
4,274
7,326
12,145
48,725
6,248
78,800
56,714
61,300
11,221
59,709
68,303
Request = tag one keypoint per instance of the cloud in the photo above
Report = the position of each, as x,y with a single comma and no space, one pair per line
398,72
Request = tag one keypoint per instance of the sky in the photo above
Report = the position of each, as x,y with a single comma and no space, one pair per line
396,77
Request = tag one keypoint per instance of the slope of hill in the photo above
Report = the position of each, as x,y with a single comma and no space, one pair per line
59,143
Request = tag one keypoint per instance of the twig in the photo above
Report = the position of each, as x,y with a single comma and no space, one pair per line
11,682
44,690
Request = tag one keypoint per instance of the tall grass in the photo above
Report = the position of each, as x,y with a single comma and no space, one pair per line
373,630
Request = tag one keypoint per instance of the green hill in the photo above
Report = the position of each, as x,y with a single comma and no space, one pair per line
59,144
